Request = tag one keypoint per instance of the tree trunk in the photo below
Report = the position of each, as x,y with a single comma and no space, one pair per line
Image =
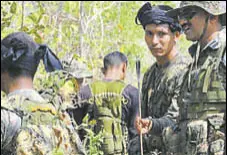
81,28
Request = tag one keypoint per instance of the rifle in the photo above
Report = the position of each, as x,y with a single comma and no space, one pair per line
138,80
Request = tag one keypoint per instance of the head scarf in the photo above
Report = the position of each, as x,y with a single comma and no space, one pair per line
148,14
18,50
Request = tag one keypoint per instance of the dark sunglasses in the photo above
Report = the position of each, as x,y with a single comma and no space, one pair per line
187,14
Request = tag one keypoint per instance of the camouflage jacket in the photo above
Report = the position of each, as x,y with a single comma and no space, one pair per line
202,103
213,46
14,133
207,83
11,122
160,89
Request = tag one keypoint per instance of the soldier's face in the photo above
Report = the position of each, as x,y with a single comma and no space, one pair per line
159,38
193,22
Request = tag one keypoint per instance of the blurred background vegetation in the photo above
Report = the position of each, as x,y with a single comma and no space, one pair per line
84,30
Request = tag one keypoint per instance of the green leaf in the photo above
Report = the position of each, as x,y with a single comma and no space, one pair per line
42,10
38,38
13,8
33,17
25,29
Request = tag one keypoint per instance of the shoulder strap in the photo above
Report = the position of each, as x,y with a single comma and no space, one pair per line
14,104
221,51
215,64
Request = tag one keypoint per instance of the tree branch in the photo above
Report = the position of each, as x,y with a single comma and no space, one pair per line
22,15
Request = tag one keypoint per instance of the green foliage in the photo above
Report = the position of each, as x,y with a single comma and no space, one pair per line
8,10
92,141
54,80
86,31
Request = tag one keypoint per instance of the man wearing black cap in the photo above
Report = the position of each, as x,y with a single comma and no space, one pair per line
30,125
203,95
161,83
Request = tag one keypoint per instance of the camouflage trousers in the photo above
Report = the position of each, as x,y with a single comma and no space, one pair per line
193,138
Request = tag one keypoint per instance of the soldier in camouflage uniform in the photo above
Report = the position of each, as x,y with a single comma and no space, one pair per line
161,83
30,125
203,95
113,106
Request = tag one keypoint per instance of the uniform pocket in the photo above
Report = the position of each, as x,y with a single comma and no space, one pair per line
196,137
217,147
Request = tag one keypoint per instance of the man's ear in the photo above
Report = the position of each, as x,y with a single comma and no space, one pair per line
176,36
124,68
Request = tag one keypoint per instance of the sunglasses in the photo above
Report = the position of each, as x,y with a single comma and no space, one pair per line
187,14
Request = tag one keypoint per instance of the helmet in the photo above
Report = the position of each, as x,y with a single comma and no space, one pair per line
77,69
216,8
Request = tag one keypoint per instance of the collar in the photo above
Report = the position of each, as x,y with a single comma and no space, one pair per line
31,94
163,66
213,44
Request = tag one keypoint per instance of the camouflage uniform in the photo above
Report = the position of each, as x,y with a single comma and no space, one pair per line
160,89
15,110
10,125
203,97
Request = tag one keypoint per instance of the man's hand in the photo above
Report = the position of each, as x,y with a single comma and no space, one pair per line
143,125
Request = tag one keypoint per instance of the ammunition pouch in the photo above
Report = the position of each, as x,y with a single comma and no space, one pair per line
196,137
186,139
216,137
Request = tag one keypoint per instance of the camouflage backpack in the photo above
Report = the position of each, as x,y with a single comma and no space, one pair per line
44,130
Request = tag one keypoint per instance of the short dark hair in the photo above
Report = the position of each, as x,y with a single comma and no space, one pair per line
114,59
15,72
